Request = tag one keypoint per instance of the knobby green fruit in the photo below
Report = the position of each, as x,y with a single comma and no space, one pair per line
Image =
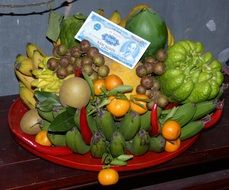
192,75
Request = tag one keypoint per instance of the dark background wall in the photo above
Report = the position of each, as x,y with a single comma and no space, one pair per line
203,20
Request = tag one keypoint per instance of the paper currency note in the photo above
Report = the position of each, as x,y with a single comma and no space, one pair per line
112,40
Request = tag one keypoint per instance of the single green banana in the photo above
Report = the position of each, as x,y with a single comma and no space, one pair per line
105,123
77,118
203,109
184,113
98,145
75,141
57,139
145,121
140,144
117,144
191,129
130,125
157,144
92,124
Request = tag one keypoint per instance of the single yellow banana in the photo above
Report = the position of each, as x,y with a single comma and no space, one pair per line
133,11
26,80
115,17
100,12
171,38
37,58
27,96
31,47
20,58
25,67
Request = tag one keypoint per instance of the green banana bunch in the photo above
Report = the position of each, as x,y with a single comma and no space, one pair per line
204,108
98,145
140,143
191,129
130,125
105,123
27,96
184,113
145,121
157,143
57,139
117,144
75,141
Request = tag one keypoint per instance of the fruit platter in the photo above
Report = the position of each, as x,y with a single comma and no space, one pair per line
81,109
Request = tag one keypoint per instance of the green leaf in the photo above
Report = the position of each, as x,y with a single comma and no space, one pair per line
64,121
54,25
41,95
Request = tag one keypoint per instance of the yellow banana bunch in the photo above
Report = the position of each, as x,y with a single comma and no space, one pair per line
27,96
171,38
25,80
30,48
46,80
25,66
116,17
100,12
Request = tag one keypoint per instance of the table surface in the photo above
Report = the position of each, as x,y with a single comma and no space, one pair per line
203,165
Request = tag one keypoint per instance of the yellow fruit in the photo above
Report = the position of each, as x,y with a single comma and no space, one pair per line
127,75
108,176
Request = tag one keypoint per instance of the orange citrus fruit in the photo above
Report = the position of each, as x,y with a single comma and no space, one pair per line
108,176
98,84
112,81
171,130
138,103
118,107
172,146
42,138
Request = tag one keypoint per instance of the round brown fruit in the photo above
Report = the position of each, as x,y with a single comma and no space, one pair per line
149,67
64,61
141,71
86,60
61,72
52,63
147,82
61,50
98,59
70,69
162,101
92,51
150,60
78,62
85,45
87,69
159,68
74,92
161,55
103,71
75,51
94,75
140,89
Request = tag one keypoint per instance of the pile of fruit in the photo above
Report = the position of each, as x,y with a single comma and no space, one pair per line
81,99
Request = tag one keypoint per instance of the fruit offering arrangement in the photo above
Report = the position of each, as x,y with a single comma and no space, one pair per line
80,99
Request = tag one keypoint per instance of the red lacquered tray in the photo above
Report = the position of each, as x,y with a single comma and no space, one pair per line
64,156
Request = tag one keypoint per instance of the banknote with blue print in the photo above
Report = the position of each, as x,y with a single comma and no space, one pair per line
112,40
